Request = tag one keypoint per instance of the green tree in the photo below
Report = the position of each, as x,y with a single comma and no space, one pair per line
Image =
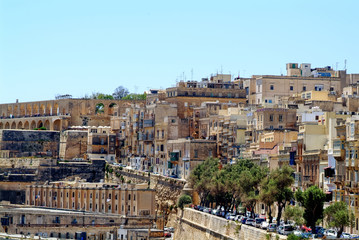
312,200
201,177
294,213
183,200
268,186
283,180
135,96
98,95
120,92
339,216
249,183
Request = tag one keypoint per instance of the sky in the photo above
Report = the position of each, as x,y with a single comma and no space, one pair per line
79,47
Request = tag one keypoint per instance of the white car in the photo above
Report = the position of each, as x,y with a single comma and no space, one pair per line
345,235
330,233
264,225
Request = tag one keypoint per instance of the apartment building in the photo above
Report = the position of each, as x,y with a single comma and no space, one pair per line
269,89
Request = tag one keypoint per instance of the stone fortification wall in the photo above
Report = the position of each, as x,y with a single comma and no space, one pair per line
21,143
194,225
13,180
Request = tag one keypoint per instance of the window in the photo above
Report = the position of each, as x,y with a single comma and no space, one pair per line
291,88
271,87
271,117
196,153
331,89
304,88
134,197
280,118
318,87
129,196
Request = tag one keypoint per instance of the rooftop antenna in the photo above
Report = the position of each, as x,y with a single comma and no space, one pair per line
221,69
336,66
192,74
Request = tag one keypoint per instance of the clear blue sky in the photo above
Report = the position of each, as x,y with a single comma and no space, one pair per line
78,47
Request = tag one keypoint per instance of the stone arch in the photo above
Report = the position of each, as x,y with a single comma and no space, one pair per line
7,125
47,125
19,125
22,110
33,124
35,110
48,110
100,108
1,125
42,109
26,125
28,110
56,109
57,125
13,125
111,108
40,124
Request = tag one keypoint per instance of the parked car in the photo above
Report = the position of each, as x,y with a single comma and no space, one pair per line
214,211
354,236
330,233
297,233
285,229
169,229
272,227
207,210
258,222
345,235
243,219
237,218
264,225
306,235
230,216
167,234
249,221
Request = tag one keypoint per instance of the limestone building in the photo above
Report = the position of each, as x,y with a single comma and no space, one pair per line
125,199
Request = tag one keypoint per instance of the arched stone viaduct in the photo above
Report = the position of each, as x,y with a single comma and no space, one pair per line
59,114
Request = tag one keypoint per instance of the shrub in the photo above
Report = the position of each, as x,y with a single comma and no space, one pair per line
183,200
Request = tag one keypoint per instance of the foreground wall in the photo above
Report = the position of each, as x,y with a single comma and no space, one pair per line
194,225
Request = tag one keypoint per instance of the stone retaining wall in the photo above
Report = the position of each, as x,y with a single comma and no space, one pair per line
195,225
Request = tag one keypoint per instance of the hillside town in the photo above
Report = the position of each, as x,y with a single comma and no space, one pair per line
115,167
